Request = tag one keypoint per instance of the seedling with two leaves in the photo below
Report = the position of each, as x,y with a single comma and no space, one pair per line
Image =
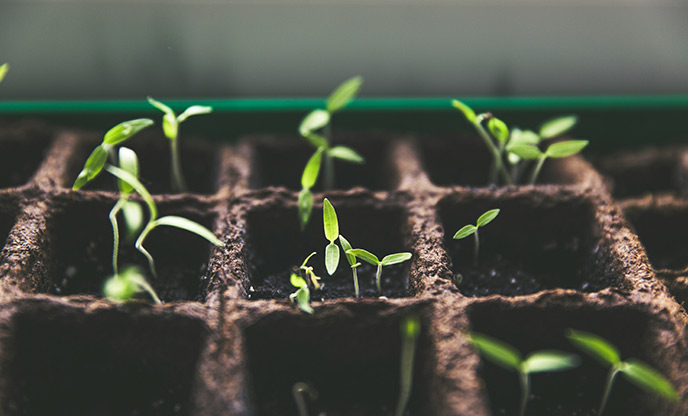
471,229
303,295
637,372
316,121
388,260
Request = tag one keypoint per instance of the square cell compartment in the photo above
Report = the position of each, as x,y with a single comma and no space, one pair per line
662,229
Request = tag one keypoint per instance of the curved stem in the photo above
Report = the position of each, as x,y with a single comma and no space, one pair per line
525,392
378,274
139,246
536,171
358,295
178,183
608,388
115,232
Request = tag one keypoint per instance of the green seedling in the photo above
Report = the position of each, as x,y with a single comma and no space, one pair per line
410,330
388,260
507,357
125,285
303,295
3,70
115,136
300,391
170,126
308,271
331,227
346,246
637,372
556,150
314,122
471,229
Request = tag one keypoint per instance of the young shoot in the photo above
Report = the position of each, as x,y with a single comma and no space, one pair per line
346,246
125,285
308,271
410,330
507,357
637,372
556,151
3,70
301,391
471,229
388,260
170,126
331,227
308,179
302,296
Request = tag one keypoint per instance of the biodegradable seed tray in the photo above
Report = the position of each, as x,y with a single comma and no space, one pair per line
227,341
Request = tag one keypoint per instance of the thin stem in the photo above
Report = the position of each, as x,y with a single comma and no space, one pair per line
115,233
358,295
525,392
536,171
476,247
378,274
178,183
408,351
608,388
139,246
498,166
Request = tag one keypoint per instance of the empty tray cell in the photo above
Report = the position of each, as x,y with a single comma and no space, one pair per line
200,164
352,360
279,161
81,243
578,392
62,361
537,242
22,149
276,247
650,170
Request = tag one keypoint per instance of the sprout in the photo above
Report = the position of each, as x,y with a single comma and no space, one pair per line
370,258
346,246
635,371
507,357
300,391
469,229
125,285
557,150
410,330
303,295
170,126
308,270
331,227
3,70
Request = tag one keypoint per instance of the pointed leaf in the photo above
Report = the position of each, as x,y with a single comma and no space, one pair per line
92,168
190,226
365,255
594,345
315,120
305,204
138,186
550,361
525,151
345,153
395,258
465,231
129,162
3,70
487,217
303,297
344,93
297,281
312,169
346,246
498,129
500,353
557,127
160,106
565,149
125,130
194,110
466,110
646,377
331,258
133,217
330,223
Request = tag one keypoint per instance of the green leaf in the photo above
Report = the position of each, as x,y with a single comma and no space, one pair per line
310,172
170,125
128,283
138,186
92,168
305,205
410,327
519,137
594,345
125,130
315,120
550,361
365,255
487,217
557,127
498,129
466,110
330,223
297,281
465,231
497,351
346,246
317,140
395,258
525,151
3,70
331,258
565,149
345,153
190,226
303,297
344,93
194,110
133,217
129,162
649,379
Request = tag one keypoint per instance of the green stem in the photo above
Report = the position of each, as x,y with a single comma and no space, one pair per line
408,351
497,166
139,246
178,183
358,295
608,388
536,171
525,392
115,233
476,247
299,390
378,274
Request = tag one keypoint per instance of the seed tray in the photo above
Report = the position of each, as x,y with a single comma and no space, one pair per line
564,254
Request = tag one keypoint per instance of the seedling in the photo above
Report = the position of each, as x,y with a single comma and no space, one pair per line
410,330
471,229
331,227
555,150
170,126
3,70
507,357
637,372
388,260
301,391
308,271
303,295
346,246
125,285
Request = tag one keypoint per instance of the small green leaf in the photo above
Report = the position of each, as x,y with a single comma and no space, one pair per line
525,151
395,258
160,106
497,351
3,70
345,153
519,137
317,140
343,94
557,127
190,226
649,379
305,204
194,110
133,217
119,289
565,149
331,258
297,281
498,129
550,361
364,255
310,172
129,162
487,217
330,223
170,126
92,168
410,327
465,231
138,186
303,297
125,130
466,110
315,120
598,347
346,246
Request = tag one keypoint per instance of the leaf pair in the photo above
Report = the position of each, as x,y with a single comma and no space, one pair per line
331,227
170,121
471,229
303,295
388,260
